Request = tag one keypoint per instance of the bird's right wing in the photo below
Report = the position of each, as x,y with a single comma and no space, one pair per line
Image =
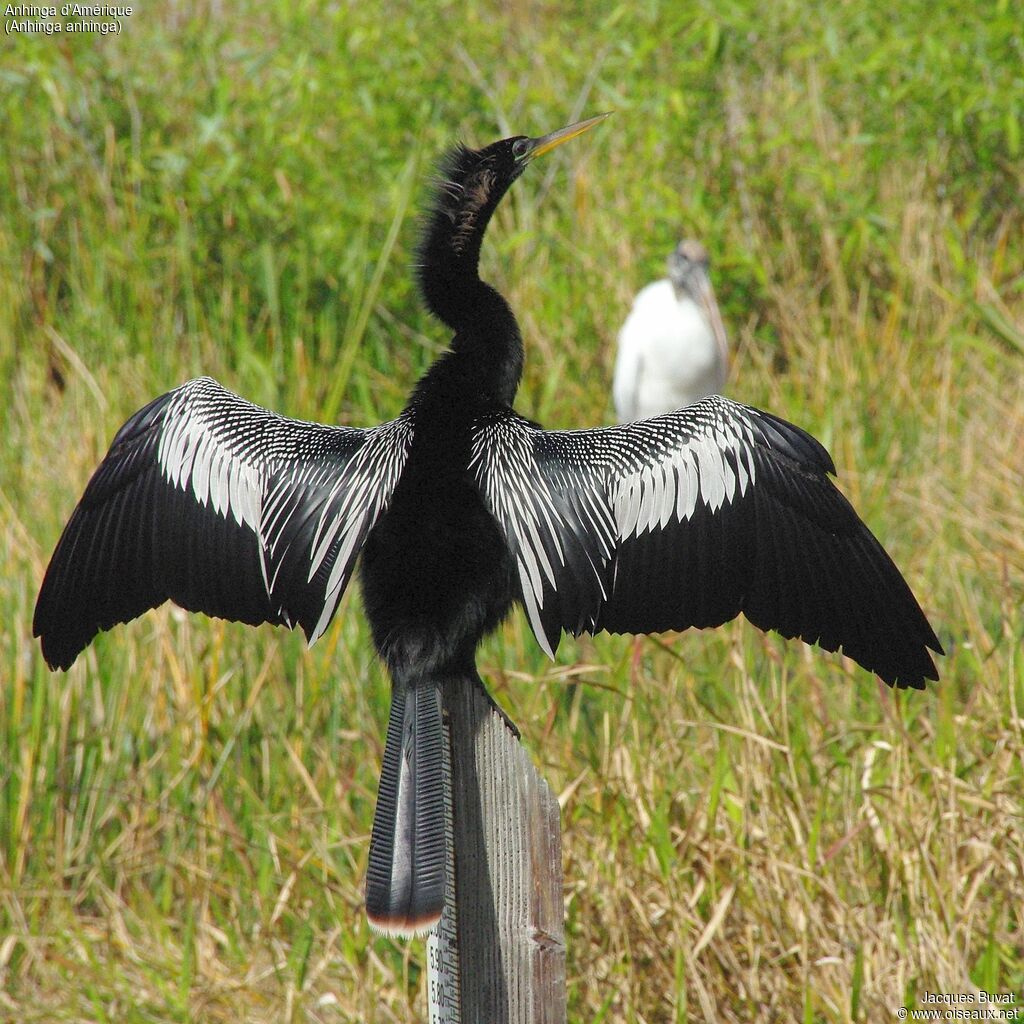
221,507
688,519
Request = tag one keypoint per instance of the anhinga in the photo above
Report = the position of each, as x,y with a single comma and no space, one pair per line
460,508
673,349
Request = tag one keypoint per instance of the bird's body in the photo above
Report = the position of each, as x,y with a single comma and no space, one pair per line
672,346
436,577
435,563
667,356
461,508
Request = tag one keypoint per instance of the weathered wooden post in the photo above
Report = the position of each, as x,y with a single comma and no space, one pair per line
498,954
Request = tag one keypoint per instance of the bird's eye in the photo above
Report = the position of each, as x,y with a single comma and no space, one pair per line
519,148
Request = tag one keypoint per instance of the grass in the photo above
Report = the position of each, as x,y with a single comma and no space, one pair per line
753,831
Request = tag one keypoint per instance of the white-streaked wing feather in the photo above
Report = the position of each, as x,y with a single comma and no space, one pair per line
561,538
690,518
222,507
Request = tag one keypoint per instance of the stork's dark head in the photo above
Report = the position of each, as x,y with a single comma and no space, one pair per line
688,266
688,271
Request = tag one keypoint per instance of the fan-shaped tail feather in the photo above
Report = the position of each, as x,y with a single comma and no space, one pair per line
405,878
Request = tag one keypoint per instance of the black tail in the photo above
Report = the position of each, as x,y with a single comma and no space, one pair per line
406,873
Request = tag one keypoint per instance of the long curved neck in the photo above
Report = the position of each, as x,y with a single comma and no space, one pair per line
486,355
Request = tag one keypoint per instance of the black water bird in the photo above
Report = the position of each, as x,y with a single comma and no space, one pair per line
461,508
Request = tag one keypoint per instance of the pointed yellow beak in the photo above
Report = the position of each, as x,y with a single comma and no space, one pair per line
546,143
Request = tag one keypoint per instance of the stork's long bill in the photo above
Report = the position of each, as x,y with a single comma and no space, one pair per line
709,307
459,509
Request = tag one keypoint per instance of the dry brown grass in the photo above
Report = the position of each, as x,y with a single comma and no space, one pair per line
753,831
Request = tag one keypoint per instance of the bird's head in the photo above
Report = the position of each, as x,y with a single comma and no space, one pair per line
688,271
472,181
687,266
469,187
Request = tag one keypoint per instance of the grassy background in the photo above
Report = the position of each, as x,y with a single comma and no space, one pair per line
753,831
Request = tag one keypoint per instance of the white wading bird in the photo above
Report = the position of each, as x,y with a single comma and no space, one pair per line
672,348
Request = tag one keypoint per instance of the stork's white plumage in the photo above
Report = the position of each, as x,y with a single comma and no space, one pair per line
673,349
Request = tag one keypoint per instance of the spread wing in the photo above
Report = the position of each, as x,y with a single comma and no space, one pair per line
222,507
688,519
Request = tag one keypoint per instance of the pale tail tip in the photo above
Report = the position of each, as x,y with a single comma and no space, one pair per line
403,927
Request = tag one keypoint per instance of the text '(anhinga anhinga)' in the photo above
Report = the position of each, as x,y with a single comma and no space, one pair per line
673,349
460,508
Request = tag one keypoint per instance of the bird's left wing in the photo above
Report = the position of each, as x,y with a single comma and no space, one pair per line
222,507
688,519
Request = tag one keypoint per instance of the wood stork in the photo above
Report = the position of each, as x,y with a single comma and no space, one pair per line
673,349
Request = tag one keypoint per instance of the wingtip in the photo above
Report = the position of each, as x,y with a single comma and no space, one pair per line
57,656
59,647
916,678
